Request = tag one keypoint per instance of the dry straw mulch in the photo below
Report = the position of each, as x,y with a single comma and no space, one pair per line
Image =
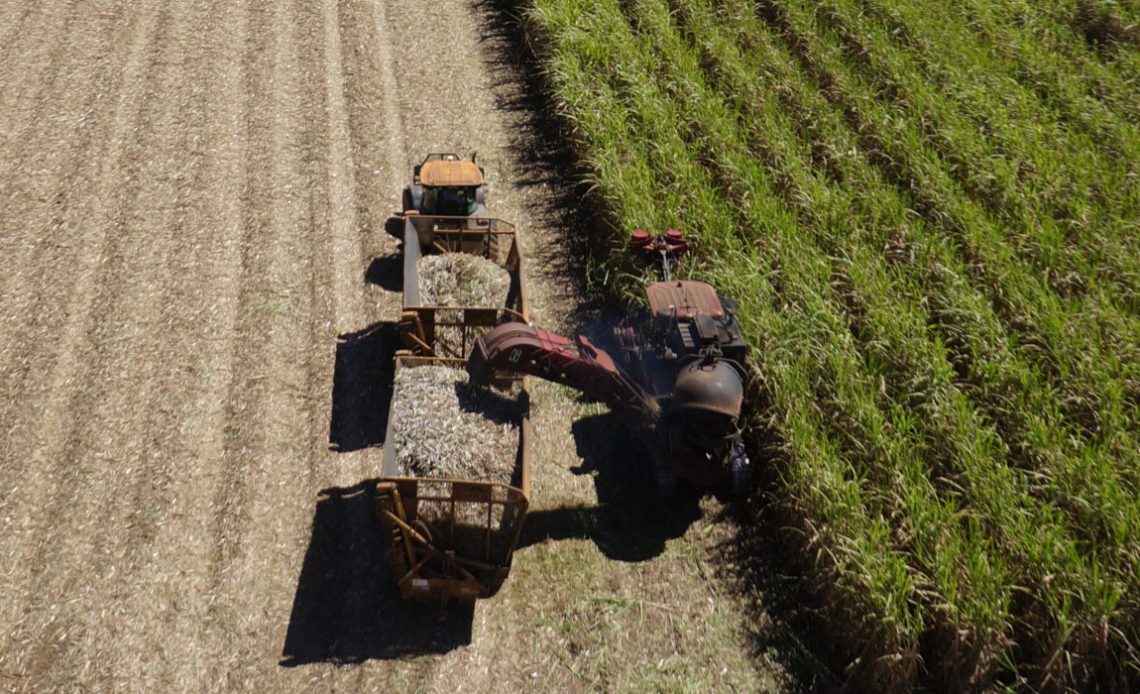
462,279
444,426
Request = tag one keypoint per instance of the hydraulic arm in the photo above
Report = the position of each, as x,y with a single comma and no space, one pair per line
523,348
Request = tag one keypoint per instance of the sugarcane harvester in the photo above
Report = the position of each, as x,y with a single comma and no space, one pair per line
678,382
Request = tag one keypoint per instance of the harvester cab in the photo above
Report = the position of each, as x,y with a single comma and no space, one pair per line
445,184
678,381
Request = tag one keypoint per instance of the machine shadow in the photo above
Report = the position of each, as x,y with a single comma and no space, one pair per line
394,227
347,608
362,387
387,272
629,522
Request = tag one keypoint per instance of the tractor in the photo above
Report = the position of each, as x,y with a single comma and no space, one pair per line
445,184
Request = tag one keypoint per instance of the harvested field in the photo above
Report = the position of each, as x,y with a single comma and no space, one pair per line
191,197
930,215
444,426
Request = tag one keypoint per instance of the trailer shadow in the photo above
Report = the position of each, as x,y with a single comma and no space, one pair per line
362,387
629,522
346,608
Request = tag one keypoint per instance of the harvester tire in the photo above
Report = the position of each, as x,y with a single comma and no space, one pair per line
741,469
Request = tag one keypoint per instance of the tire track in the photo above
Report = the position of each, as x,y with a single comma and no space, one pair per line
377,138
460,113
60,131
242,383
261,506
347,252
73,368
14,15
183,546
86,515
464,120
452,119
219,211
40,208
327,268
156,374
37,49
400,159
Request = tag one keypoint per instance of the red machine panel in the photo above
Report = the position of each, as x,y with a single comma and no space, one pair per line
683,299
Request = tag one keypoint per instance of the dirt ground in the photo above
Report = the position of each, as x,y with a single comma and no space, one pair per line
196,292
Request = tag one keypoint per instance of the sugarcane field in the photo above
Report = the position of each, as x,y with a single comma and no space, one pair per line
570,345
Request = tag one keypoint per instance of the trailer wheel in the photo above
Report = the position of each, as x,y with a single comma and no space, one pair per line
414,198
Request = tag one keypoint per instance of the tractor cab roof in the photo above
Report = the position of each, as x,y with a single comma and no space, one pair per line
448,172
683,300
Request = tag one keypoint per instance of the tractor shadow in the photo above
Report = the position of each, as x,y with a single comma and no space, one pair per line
347,608
629,522
387,272
394,227
362,387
